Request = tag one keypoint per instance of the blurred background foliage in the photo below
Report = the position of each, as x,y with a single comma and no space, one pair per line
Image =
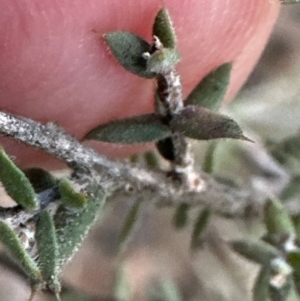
158,263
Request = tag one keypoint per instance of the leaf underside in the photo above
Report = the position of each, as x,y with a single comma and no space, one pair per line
128,49
139,129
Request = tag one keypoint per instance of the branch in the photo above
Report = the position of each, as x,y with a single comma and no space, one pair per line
116,177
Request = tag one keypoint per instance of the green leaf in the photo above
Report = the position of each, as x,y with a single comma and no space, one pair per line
181,216
15,182
163,29
201,124
128,49
130,222
72,225
210,92
69,197
296,222
208,165
262,284
255,250
10,240
139,129
277,219
199,227
48,250
163,60
292,190
293,259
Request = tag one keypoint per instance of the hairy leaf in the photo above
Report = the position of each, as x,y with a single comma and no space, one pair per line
255,250
277,219
48,250
262,285
72,226
181,216
69,196
139,129
201,124
199,227
128,49
210,92
163,29
10,240
15,182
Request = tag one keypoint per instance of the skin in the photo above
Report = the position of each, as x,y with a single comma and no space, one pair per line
53,67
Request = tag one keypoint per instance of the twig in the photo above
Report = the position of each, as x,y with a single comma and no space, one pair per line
116,177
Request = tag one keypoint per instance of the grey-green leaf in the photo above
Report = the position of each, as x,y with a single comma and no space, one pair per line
69,197
261,285
282,293
15,182
255,250
48,250
180,218
211,90
163,29
130,222
128,49
292,190
10,240
277,219
202,124
199,227
139,129
72,225
208,164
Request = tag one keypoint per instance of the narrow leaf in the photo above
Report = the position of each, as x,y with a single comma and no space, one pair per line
128,49
69,197
262,284
255,250
10,240
48,250
293,259
199,123
163,29
210,92
139,129
181,216
292,190
72,226
199,227
129,223
277,219
16,184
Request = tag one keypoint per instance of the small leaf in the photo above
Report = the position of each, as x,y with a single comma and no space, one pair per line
72,226
128,49
208,165
10,240
255,250
48,250
163,60
262,284
210,92
166,148
277,219
292,190
16,184
199,123
69,197
199,227
129,223
139,129
163,29
181,216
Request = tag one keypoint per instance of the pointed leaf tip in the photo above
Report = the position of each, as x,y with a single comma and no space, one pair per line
128,49
211,90
163,29
202,124
139,129
15,182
